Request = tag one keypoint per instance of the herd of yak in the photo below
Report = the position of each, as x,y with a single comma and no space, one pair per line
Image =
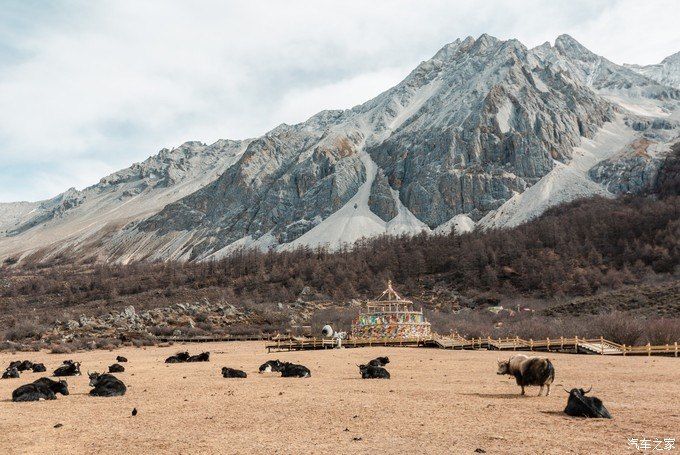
103,385
527,371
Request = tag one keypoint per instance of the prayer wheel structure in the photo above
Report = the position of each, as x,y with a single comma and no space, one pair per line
390,316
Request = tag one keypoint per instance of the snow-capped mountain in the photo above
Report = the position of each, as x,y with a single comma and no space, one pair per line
486,133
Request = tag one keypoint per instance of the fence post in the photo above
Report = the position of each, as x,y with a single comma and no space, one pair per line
649,349
515,343
601,345
676,349
548,343
531,344
561,343
623,347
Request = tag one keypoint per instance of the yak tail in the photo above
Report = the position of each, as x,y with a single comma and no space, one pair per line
549,372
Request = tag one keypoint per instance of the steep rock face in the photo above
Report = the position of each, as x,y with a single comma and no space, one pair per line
632,171
494,126
667,72
381,201
292,173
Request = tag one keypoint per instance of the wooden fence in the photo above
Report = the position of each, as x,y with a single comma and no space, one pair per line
576,345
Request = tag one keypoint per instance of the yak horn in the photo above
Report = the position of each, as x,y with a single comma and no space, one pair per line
569,392
588,391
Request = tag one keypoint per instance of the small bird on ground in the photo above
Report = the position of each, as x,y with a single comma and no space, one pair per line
134,411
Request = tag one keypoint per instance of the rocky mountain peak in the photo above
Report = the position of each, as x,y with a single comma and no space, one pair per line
570,47
484,129
672,59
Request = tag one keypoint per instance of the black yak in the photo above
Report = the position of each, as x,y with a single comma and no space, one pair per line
69,368
233,373
39,368
202,357
292,370
529,371
178,358
106,385
10,373
373,372
20,365
42,389
579,405
271,365
379,361
121,359
116,368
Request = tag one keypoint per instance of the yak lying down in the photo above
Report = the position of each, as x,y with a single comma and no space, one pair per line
579,405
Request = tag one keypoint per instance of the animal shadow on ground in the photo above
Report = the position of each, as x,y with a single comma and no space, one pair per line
568,417
557,413
496,395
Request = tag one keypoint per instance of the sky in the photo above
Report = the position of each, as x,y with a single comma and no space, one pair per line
90,87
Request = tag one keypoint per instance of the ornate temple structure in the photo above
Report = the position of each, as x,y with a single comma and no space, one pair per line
391,316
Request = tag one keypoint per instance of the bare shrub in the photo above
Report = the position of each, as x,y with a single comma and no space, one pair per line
661,331
60,349
107,343
617,327
244,330
23,331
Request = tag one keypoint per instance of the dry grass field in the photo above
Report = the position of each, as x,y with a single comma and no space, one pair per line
436,402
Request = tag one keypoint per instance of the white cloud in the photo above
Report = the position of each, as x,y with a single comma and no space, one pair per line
90,87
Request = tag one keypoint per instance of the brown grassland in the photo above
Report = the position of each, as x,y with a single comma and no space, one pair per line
436,402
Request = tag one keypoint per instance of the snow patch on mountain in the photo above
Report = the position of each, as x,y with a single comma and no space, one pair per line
352,222
460,224
566,182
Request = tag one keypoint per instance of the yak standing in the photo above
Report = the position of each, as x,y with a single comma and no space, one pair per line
529,371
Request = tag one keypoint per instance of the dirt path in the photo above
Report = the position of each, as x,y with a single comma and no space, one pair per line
436,402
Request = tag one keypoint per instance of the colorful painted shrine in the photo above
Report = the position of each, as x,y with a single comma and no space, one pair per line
390,316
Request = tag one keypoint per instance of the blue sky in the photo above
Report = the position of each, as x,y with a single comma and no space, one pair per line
89,87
